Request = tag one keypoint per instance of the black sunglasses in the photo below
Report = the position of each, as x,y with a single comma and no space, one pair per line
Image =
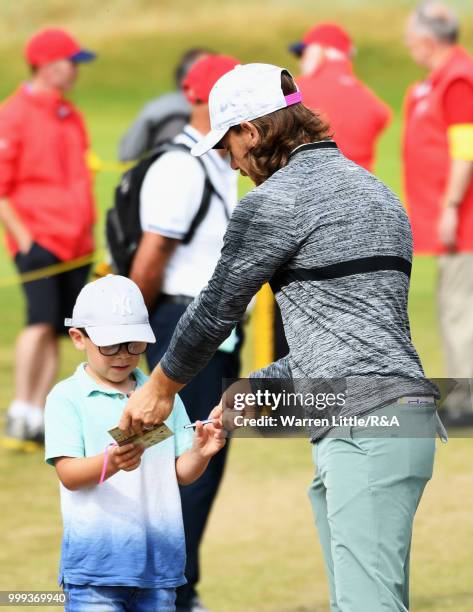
133,348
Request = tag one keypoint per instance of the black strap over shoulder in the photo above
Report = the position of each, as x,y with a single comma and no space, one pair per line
209,189
202,212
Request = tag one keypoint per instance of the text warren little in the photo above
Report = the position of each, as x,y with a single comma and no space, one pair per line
370,420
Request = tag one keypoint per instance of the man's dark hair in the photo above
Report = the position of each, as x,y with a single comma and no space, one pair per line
188,58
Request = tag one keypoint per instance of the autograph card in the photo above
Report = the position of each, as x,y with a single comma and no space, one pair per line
159,433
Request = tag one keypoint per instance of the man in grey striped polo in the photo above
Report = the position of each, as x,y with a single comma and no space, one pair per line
336,245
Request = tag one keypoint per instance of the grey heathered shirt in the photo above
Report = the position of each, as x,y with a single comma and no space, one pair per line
336,245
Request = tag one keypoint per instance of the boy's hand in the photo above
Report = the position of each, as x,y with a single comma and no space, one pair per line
218,425
208,439
127,457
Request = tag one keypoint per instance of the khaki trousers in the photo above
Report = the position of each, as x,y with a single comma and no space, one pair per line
455,311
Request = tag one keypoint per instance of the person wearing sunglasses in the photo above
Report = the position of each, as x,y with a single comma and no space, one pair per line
124,545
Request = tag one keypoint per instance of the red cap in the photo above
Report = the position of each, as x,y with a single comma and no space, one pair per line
55,44
325,35
204,74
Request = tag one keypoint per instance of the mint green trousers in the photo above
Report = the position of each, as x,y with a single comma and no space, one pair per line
364,496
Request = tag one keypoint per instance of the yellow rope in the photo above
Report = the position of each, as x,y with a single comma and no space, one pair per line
59,268
97,164
25,446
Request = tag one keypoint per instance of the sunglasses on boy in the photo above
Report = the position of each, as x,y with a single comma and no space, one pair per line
133,348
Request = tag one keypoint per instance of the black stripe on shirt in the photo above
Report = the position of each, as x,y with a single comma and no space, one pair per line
322,144
339,270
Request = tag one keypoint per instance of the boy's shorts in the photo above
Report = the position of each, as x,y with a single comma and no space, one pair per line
51,299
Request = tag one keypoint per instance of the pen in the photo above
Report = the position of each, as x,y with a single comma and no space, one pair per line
204,422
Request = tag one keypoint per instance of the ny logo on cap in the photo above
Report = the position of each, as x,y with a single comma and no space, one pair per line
122,305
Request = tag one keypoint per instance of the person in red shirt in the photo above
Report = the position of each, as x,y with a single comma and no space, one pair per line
438,170
329,86
47,209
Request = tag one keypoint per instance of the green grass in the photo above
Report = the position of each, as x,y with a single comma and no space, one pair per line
261,550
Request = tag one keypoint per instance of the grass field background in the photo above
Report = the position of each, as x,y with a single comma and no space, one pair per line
261,550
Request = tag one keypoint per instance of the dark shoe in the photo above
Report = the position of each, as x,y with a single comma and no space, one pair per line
36,436
198,606
195,605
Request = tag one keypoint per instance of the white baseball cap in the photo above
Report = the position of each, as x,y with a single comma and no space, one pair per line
112,310
245,93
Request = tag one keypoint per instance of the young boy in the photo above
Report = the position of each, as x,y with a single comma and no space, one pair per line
123,545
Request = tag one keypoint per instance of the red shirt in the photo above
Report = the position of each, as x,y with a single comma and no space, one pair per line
43,171
431,107
458,102
355,114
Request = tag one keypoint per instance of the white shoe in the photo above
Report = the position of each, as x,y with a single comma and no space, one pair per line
15,427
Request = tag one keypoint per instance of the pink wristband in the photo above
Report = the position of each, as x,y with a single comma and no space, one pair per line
105,462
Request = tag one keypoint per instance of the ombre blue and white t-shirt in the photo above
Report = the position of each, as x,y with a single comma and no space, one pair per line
127,531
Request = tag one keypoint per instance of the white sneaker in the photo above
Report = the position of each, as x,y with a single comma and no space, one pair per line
15,427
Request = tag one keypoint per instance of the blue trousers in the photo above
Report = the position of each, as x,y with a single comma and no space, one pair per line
90,598
199,397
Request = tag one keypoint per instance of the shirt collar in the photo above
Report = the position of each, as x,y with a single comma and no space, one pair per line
190,131
89,385
339,66
309,146
195,136
53,99
436,74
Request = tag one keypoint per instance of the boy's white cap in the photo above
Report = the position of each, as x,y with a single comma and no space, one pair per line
245,93
112,310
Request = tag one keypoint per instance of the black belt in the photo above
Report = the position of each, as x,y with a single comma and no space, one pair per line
339,270
182,300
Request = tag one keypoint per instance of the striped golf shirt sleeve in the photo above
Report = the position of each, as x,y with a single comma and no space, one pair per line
260,238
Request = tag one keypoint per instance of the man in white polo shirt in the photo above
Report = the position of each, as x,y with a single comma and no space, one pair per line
179,192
